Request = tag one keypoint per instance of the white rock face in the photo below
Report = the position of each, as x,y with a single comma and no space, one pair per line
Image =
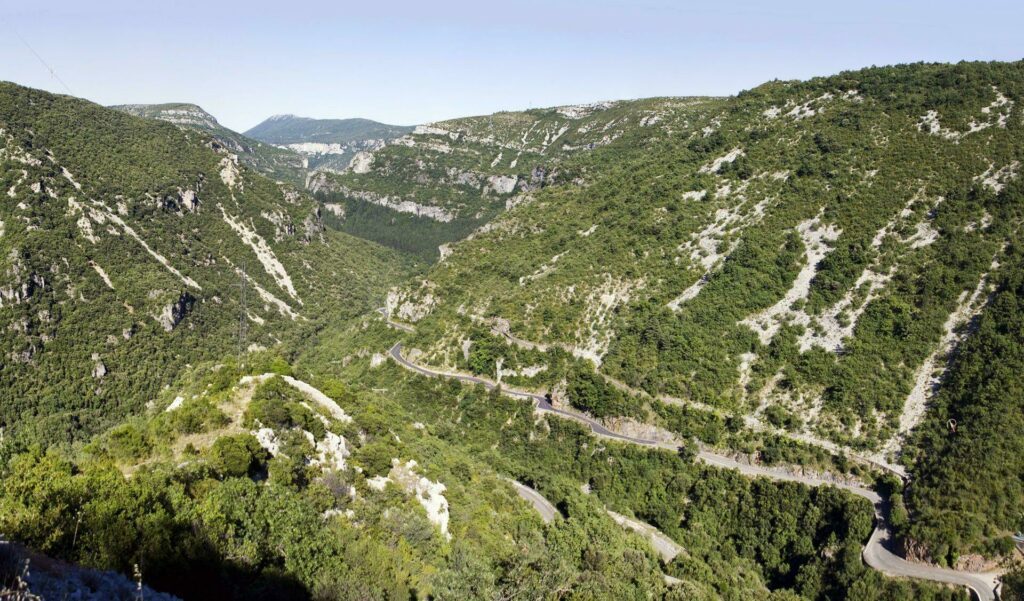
430,130
331,452
189,200
67,175
501,184
99,370
229,173
268,440
175,404
320,398
317,148
579,111
411,306
103,274
402,205
816,238
715,165
594,337
362,162
264,253
335,209
996,179
429,494
377,360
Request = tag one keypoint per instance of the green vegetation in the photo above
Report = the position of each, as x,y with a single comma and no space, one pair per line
899,223
123,242
792,255
276,163
289,129
236,534
968,485
461,174
411,234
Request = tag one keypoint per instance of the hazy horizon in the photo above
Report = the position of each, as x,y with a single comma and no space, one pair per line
407,64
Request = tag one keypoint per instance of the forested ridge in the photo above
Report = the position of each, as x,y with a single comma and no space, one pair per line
124,244
825,274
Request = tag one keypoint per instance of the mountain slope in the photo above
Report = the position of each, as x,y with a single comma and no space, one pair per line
274,162
807,262
442,181
124,245
248,478
327,144
290,129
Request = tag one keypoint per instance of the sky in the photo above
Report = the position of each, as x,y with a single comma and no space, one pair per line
419,61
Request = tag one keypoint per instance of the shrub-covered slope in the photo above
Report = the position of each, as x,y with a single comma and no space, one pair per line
439,183
240,483
968,483
275,163
808,257
124,246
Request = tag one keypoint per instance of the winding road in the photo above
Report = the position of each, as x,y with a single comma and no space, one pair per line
544,507
878,553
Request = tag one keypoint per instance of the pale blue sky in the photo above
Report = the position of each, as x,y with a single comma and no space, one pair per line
412,62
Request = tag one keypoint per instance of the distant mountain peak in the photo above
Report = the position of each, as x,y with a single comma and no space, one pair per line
288,129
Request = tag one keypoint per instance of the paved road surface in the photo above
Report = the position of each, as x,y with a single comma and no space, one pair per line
399,326
877,553
544,507
665,546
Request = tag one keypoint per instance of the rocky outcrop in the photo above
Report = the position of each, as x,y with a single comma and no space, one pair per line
180,202
173,313
99,370
312,227
321,183
501,184
429,494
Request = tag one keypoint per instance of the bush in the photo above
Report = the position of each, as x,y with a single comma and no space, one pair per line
127,442
236,456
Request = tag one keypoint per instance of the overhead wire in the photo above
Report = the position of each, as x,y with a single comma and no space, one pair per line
42,61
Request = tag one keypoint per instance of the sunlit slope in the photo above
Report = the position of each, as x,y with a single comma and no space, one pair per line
809,257
128,246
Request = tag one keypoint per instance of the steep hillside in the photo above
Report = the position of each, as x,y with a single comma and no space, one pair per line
442,181
274,162
968,480
257,484
806,259
327,144
128,247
